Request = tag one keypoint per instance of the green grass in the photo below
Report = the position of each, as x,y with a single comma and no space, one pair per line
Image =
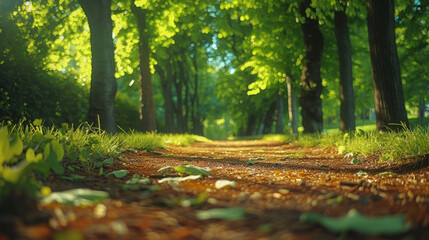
183,139
30,153
390,146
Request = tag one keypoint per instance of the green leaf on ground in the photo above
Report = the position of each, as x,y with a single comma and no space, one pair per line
256,158
118,173
361,173
151,188
136,179
73,177
186,202
76,197
250,162
355,161
106,161
187,169
360,223
179,179
192,170
221,213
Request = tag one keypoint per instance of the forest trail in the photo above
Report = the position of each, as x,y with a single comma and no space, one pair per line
274,184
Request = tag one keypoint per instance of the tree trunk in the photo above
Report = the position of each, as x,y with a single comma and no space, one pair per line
280,112
292,107
251,123
311,81
347,108
167,94
421,111
197,124
386,76
103,82
147,106
181,122
269,119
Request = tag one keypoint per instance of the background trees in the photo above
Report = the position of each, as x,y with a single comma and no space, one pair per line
103,82
217,68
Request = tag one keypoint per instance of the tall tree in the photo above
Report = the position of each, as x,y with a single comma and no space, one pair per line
311,81
292,107
147,107
347,113
386,76
103,82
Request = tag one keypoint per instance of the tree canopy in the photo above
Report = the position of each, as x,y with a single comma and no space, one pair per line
218,68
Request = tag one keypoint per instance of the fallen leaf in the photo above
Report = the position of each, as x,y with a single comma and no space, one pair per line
223,183
360,223
361,173
118,173
250,162
179,179
192,170
221,213
259,151
187,169
76,197
73,177
354,161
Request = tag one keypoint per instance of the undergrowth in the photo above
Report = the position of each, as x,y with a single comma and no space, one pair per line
390,146
30,153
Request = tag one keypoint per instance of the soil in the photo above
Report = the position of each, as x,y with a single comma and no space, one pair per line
284,182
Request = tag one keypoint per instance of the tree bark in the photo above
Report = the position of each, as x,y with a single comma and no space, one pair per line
103,82
311,81
421,111
386,76
292,107
280,112
181,121
251,123
197,123
269,119
167,94
347,108
147,106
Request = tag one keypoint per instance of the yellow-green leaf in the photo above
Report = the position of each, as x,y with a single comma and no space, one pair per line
30,156
12,174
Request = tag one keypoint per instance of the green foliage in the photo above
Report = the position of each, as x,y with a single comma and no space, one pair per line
18,171
126,112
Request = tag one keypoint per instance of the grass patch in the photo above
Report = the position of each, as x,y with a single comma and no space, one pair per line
30,153
183,139
278,138
392,146
142,141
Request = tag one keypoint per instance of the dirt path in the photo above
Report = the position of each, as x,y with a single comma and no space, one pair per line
284,182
